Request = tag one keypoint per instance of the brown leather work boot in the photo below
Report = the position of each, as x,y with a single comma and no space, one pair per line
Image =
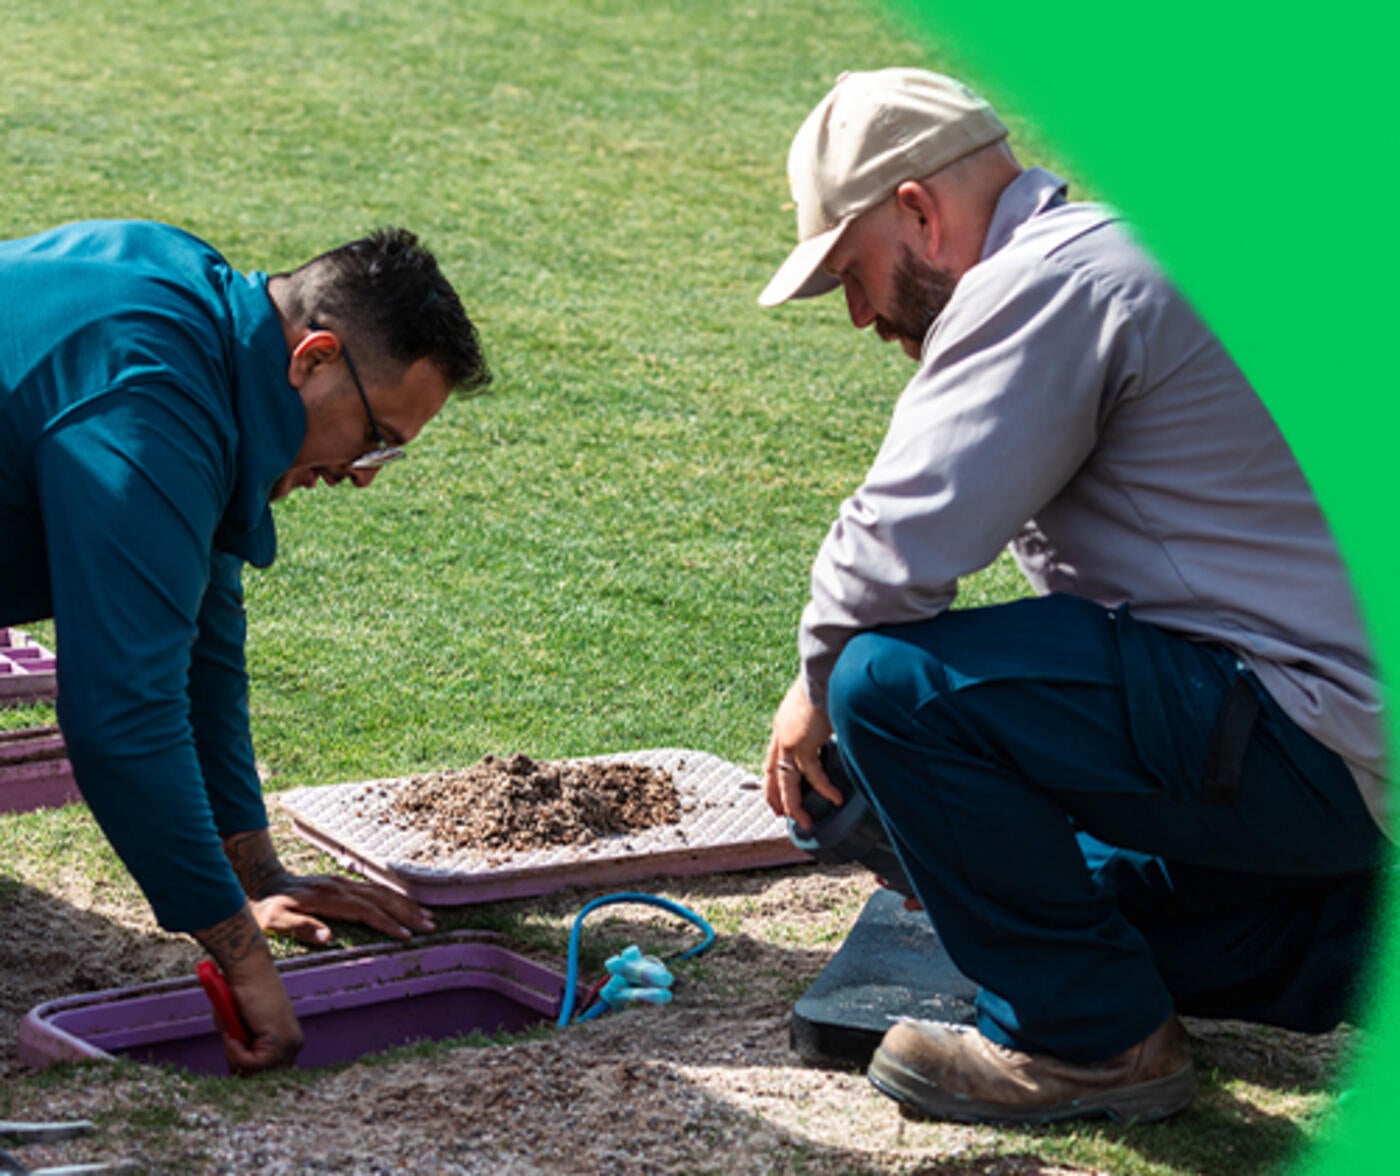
953,1072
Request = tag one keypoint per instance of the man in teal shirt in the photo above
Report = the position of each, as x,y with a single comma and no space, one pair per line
153,401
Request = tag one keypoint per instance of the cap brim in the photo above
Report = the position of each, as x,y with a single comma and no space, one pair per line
802,275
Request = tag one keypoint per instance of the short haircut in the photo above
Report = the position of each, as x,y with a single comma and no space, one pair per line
386,292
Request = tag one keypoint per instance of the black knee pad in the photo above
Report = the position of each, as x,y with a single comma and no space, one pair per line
849,832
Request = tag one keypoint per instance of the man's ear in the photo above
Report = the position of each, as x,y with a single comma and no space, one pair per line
920,210
312,350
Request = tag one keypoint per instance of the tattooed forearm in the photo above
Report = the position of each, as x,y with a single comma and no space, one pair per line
255,862
233,940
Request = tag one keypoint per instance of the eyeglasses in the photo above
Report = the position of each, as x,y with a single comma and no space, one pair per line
383,453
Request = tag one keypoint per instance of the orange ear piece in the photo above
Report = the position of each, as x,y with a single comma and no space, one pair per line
314,340
311,350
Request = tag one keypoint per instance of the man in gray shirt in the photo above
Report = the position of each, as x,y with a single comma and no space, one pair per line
1158,786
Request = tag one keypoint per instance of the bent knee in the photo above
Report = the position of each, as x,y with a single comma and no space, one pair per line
881,669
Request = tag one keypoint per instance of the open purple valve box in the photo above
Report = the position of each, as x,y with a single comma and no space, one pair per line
350,1003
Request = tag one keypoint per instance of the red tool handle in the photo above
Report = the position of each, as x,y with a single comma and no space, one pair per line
221,997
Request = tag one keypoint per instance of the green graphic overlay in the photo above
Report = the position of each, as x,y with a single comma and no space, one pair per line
1248,147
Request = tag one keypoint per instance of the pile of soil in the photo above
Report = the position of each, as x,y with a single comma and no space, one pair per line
515,804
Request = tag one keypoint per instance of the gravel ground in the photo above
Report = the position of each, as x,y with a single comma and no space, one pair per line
707,1084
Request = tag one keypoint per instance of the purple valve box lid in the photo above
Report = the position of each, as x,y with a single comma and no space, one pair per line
350,1003
34,770
725,824
28,671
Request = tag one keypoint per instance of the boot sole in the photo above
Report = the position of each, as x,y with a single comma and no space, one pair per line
1142,1103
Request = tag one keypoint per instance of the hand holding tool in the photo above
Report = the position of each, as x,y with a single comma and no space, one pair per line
221,997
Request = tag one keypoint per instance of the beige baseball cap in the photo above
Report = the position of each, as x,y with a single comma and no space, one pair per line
873,131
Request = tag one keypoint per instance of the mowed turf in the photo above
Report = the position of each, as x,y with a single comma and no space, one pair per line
609,550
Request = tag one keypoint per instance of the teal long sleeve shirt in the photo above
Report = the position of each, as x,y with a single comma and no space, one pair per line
145,414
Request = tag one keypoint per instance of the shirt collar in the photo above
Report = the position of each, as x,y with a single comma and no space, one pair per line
270,416
1027,196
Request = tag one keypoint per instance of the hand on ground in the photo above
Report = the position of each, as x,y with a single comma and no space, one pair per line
296,904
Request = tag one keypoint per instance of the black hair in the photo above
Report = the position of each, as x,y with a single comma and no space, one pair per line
386,292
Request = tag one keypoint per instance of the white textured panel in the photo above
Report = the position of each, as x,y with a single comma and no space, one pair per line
724,825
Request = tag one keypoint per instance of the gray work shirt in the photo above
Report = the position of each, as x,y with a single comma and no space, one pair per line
1068,402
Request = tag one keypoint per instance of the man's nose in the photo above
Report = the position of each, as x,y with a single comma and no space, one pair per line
857,304
362,478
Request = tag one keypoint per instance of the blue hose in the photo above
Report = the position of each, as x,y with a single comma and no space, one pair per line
566,1008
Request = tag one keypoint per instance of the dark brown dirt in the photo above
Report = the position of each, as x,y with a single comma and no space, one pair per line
516,804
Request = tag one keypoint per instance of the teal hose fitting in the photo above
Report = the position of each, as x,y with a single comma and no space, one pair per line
636,978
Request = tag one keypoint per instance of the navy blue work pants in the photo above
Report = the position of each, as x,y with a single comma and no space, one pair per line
1039,768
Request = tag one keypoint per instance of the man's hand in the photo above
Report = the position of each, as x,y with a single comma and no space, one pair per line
259,997
294,904
799,732
291,909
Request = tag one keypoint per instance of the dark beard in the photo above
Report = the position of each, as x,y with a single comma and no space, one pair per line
921,291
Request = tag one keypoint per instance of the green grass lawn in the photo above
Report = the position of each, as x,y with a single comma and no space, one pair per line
609,550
